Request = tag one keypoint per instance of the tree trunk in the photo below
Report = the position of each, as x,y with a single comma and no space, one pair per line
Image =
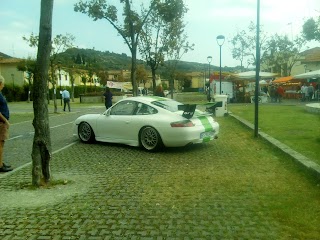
154,84
41,149
72,91
55,99
133,69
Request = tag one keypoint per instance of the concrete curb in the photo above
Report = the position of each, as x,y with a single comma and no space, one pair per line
305,162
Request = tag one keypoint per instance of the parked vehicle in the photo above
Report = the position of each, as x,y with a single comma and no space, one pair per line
150,122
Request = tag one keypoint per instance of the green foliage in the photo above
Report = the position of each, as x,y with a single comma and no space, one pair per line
283,53
244,45
311,29
15,93
108,61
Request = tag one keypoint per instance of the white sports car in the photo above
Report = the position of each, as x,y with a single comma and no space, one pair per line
150,122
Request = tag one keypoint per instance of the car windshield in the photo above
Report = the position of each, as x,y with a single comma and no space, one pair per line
171,106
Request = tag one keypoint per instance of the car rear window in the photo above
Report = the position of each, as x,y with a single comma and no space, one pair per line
171,106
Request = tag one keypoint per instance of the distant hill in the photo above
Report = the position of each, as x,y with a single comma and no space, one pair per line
103,60
2,55
82,58
114,61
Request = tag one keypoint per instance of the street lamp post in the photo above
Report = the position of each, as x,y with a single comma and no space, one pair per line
209,59
220,41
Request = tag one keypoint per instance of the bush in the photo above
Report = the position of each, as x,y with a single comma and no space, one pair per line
15,93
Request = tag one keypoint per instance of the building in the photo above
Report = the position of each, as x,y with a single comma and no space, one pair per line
9,70
309,61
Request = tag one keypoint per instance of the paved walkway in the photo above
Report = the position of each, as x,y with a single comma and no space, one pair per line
232,188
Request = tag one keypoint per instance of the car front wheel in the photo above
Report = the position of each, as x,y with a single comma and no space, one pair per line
85,132
150,139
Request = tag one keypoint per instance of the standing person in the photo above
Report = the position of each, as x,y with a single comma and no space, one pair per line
272,93
159,91
66,99
107,98
310,92
280,93
304,92
4,126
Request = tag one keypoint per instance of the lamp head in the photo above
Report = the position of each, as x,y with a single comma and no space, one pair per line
220,40
209,58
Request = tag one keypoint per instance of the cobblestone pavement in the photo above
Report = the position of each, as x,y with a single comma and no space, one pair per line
220,190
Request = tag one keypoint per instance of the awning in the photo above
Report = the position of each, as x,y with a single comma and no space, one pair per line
252,75
283,79
289,79
312,74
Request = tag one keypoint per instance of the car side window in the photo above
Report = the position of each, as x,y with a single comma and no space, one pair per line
124,108
144,109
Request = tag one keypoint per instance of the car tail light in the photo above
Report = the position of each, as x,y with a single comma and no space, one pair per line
184,123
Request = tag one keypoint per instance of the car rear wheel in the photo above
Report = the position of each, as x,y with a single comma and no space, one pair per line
150,139
85,133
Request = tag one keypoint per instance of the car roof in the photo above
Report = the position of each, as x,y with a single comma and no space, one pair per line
148,99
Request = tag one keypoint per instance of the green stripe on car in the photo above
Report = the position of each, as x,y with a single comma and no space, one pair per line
207,127
205,122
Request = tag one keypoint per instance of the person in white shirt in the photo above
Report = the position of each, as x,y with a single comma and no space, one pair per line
304,92
66,99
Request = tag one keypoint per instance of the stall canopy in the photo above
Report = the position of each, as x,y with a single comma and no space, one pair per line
283,79
307,75
252,75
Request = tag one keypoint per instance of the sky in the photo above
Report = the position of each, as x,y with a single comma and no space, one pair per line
205,20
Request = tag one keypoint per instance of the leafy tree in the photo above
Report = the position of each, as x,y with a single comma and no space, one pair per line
41,149
176,48
129,29
28,66
158,29
183,79
60,43
84,79
282,53
311,29
244,45
240,47
103,75
142,75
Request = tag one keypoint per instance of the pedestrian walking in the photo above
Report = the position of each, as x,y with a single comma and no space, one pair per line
66,99
4,126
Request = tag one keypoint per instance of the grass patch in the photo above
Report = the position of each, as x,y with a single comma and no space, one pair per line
240,176
290,124
20,117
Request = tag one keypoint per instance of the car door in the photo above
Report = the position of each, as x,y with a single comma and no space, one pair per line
115,125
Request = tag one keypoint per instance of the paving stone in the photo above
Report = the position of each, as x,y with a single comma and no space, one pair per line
127,193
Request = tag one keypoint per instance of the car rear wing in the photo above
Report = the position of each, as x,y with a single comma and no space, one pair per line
189,109
211,106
